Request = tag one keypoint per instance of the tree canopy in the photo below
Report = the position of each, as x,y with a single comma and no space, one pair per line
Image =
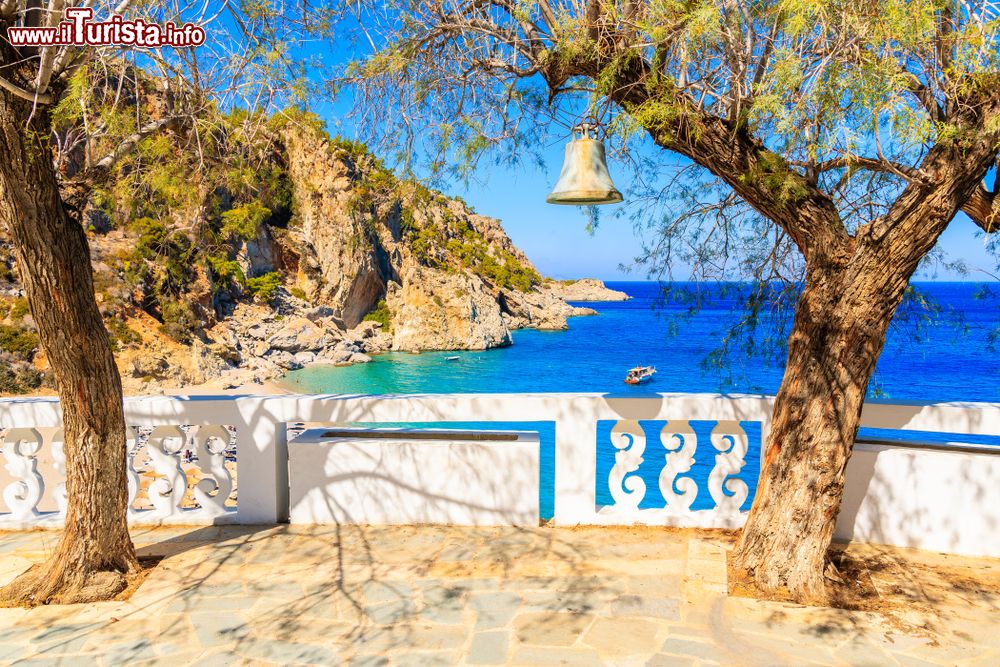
827,118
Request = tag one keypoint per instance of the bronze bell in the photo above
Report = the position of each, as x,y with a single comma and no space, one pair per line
584,178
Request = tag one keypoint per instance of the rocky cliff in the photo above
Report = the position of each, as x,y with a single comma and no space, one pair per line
320,255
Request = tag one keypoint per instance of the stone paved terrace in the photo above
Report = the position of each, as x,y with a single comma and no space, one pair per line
446,595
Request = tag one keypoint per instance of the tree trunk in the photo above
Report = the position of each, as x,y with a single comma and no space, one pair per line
838,334
95,553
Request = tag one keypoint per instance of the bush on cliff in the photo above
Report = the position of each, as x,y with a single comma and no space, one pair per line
380,314
264,288
18,341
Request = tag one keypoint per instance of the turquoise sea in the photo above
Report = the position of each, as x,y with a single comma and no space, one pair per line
948,355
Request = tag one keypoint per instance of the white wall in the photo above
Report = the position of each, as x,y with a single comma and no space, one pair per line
351,480
946,501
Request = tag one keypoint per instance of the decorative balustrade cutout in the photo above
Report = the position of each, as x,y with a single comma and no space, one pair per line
677,486
175,494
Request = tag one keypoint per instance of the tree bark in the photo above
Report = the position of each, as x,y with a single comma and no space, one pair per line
95,553
839,331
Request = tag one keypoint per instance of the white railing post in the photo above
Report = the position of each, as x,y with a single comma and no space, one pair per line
262,466
576,470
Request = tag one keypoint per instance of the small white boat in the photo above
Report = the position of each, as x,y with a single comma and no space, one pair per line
455,358
639,374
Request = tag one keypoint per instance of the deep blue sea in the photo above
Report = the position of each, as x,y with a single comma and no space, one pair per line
946,353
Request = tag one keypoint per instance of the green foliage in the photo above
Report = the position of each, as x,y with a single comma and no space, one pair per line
498,266
298,293
355,149
264,288
226,271
380,314
121,334
425,243
179,321
296,116
15,308
152,236
18,378
243,222
18,341
375,185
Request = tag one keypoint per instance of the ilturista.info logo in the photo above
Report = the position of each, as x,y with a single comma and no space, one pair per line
80,29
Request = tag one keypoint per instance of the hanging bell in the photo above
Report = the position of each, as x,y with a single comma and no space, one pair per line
584,178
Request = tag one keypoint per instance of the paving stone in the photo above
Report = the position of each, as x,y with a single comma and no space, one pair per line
47,661
577,602
657,587
637,605
62,639
127,652
297,594
910,661
390,612
550,628
175,657
219,629
535,655
64,632
489,648
661,660
443,604
207,604
218,659
217,590
863,654
284,652
703,651
427,659
369,661
376,592
988,659
622,636
494,610
286,590
11,652
378,640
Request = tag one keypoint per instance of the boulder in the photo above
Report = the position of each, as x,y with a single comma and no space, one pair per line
585,289
439,310
299,334
318,313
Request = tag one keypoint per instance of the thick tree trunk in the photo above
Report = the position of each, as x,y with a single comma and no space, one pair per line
838,334
95,553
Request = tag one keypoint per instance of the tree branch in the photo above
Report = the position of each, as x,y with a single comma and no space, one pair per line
983,207
869,164
762,178
38,98
76,191
925,95
129,142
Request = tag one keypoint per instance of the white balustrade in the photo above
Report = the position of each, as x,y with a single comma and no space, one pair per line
731,441
197,492
21,447
679,493
167,490
630,440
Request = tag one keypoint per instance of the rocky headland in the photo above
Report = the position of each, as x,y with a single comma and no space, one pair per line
329,260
